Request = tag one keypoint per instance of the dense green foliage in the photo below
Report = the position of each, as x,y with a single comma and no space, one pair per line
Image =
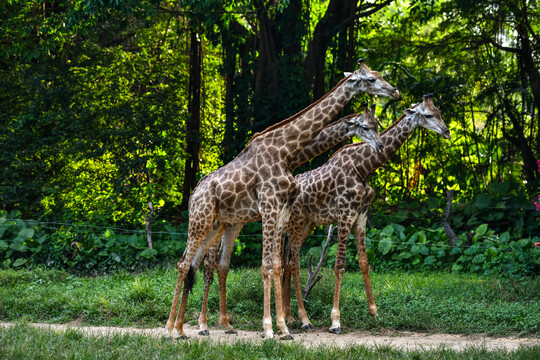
98,120
24,342
425,302
93,250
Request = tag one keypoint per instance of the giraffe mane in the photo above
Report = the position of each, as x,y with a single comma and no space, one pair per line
298,114
336,122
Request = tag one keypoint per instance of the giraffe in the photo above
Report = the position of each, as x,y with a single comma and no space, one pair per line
258,185
338,191
362,125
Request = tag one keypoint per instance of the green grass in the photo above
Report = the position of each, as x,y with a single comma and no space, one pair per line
24,342
425,302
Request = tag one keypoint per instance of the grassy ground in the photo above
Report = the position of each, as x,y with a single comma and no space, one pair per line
429,302
23,342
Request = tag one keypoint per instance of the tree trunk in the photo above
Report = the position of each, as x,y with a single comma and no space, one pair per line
193,124
266,95
339,15
229,66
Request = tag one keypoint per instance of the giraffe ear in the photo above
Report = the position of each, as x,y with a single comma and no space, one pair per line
349,120
409,111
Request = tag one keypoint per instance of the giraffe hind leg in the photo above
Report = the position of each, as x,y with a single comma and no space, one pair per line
198,244
209,266
360,235
225,253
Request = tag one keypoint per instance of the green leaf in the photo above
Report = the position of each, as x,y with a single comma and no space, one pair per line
26,233
456,268
116,257
17,246
430,260
388,230
479,259
3,245
481,230
149,253
385,246
491,252
405,255
422,237
19,262
422,249
504,237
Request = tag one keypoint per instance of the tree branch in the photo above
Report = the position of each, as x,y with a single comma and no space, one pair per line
373,10
505,48
148,221
446,221
313,278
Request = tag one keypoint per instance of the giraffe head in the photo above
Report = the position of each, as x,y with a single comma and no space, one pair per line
366,80
365,127
427,115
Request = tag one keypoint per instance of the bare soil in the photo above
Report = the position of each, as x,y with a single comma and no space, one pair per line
400,340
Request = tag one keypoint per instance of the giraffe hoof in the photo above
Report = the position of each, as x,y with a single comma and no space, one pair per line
204,332
286,337
181,337
335,330
267,338
231,331
307,327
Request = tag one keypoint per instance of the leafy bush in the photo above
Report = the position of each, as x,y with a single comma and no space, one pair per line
86,249
504,206
81,249
415,248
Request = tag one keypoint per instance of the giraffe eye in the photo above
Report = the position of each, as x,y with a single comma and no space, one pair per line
371,80
428,116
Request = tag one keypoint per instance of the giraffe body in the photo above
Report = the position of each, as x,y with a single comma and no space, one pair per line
258,184
338,192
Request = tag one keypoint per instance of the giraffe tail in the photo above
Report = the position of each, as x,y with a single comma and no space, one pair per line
190,279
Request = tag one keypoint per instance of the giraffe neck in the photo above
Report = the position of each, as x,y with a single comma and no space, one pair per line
292,135
366,160
329,137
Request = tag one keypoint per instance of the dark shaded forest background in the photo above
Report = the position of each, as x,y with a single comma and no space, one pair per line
109,105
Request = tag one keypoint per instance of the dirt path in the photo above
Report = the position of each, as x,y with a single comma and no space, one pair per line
401,340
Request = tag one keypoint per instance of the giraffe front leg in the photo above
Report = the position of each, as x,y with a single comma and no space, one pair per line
343,234
335,314
277,260
360,235
278,293
269,222
267,288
